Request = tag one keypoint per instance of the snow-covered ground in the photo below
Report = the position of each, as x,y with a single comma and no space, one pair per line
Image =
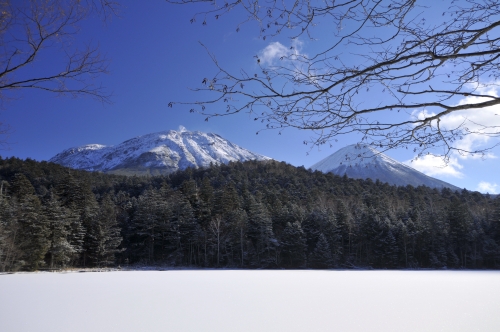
238,300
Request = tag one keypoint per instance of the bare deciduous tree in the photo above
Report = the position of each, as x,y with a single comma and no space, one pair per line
30,28
398,73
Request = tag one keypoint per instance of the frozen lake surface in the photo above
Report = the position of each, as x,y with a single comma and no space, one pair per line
239,300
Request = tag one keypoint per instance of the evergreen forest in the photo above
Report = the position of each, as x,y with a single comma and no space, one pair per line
241,215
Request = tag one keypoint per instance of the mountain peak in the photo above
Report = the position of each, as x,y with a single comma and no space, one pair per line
361,155
362,161
156,153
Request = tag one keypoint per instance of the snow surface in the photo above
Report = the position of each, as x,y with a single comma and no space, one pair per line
170,149
240,300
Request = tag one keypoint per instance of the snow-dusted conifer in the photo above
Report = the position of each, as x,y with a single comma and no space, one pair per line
261,233
321,257
60,220
104,235
33,226
293,246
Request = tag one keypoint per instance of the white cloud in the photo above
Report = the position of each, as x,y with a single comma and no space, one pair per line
484,123
435,166
487,187
273,52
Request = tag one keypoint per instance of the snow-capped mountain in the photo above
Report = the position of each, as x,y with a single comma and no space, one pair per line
362,161
157,153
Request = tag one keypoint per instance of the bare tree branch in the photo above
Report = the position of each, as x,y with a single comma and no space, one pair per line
29,28
387,74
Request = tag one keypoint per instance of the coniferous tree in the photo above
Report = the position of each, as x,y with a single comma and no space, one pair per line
217,230
321,257
104,235
333,234
390,247
33,226
150,223
293,246
345,225
403,227
190,192
180,232
491,240
206,198
189,230
437,233
9,236
59,220
312,227
407,238
460,224
237,221
371,229
261,234
79,198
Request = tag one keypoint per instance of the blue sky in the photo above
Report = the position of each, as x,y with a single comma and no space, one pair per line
155,57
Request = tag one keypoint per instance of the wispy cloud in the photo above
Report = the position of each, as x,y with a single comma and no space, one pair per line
276,51
487,187
273,52
484,122
435,166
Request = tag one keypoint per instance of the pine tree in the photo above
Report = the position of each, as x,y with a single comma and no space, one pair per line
21,187
151,222
9,235
333,234
312,227
321,257
384,248
33,226
104,235
59,221
189,190
438,238
206,195
460,224
189,230
79,198
261,234
217,231
371,230
293,246
408,234
344,222
237,221
491,242
391,251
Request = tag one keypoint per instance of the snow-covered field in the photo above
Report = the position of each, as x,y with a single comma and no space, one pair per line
238,300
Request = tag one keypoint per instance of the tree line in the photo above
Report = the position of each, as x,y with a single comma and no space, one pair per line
250,215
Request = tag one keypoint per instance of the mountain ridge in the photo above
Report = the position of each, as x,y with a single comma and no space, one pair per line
156,153
361,161
168,151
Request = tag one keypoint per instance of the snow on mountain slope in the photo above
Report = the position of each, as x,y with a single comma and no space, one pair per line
362,161
157,153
